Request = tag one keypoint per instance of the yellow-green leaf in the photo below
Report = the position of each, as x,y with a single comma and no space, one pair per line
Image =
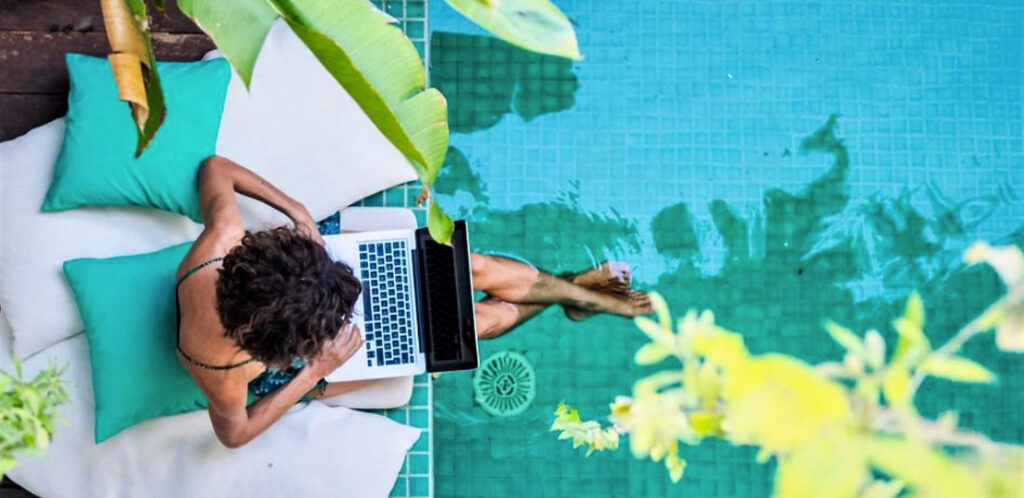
833,467
956,368
912,343
653,330
238,27
1010,329
657,381
651,353
709,385
721,347
778,402
915,310
845,337
439,224
1008,262
706,423
926,470
896,386
536,25
675,466
661,308
874,349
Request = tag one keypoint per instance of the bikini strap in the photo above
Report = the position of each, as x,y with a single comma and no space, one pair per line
185,355
198,267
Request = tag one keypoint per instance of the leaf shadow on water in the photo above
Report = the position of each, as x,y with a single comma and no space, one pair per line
802,257
820,256
484,79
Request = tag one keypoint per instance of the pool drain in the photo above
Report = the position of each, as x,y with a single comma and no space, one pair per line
505,384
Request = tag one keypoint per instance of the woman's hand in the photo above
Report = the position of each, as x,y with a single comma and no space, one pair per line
311,230
338,351
304,221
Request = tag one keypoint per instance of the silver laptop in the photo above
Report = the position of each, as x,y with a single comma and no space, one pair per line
416,307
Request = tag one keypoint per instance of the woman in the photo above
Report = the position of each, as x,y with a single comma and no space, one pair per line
268,313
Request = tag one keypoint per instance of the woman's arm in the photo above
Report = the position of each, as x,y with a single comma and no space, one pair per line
235,424
220,178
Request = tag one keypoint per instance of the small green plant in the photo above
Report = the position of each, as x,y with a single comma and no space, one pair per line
28,412
838,429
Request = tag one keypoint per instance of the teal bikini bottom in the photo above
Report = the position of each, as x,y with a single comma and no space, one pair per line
273,379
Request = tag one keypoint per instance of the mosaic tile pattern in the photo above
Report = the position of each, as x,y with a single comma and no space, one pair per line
675,145
415,480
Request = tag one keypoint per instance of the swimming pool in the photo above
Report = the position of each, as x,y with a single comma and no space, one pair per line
676,146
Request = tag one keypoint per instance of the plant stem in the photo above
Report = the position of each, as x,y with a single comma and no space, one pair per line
951,347
888,421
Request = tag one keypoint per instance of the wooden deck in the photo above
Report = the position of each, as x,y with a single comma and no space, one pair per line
35,35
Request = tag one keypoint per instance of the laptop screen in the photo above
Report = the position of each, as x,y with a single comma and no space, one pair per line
447,316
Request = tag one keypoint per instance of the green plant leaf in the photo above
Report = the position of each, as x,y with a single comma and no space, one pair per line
653,330
661,308
536,25
915,310
439,224
6,464
845,338
896,386
874,349
238,27
133,65
656,382
956,368
927,471
912,344
835,467
382,71
651,353
675,466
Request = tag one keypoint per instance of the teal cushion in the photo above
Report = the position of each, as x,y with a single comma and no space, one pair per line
97,164
128,307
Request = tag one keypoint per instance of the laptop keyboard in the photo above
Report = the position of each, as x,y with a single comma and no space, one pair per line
387,303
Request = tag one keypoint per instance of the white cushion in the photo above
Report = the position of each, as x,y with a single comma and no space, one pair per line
301,131
35,298
314,450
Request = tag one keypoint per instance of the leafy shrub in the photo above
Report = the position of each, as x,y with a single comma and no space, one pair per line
28,412
838,429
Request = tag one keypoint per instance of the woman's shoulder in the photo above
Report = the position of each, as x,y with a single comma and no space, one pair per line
211,246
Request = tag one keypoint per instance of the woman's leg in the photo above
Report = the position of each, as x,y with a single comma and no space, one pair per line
495,317
520,283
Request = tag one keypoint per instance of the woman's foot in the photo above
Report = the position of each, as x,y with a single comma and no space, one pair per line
610,276
630,304
612,279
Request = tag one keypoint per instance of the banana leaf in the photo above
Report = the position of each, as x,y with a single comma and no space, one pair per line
368,55
134,66
379,67
238,27
535,25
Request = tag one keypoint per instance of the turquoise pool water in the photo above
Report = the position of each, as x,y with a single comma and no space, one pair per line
778,162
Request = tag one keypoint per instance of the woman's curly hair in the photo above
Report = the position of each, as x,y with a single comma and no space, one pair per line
281,297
